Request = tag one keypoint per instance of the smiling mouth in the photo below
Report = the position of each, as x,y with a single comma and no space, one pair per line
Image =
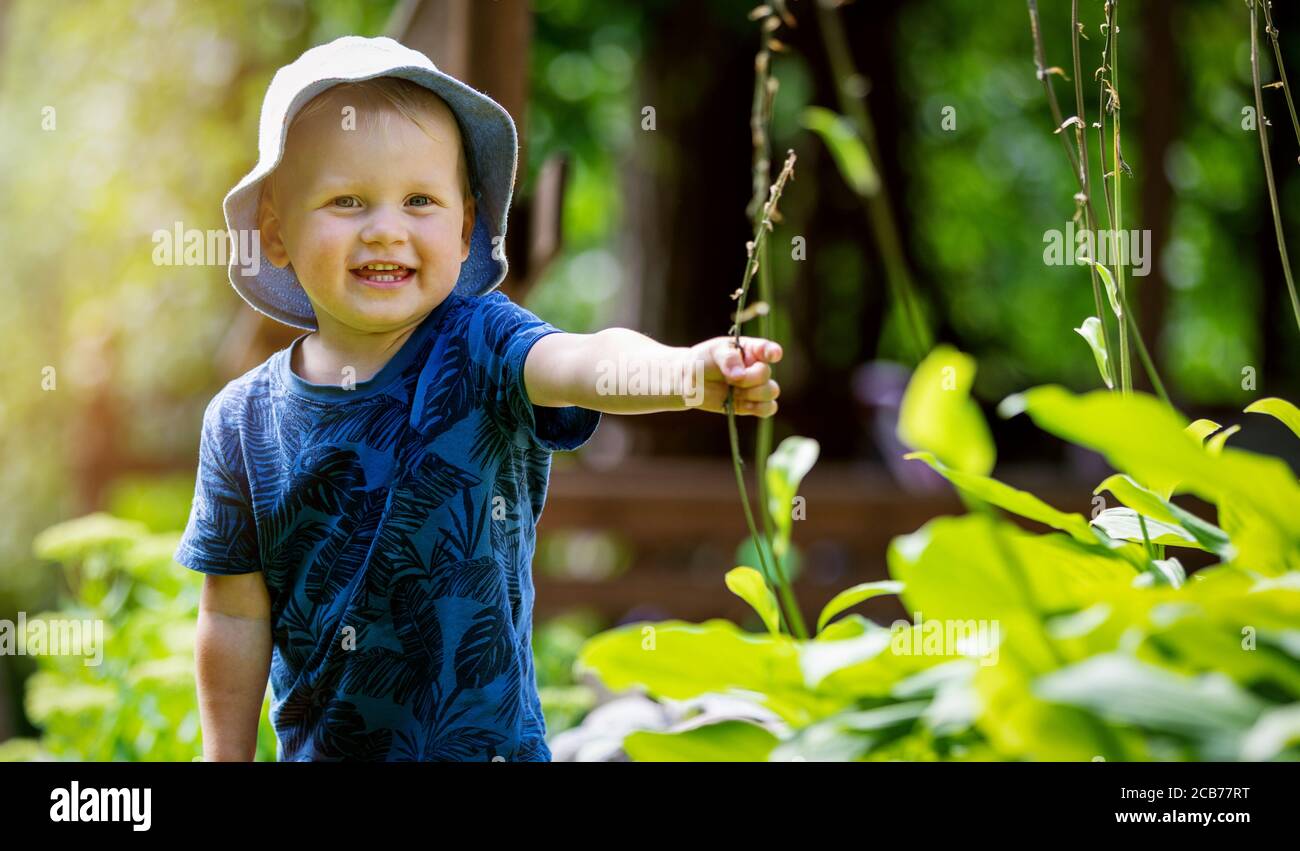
386,275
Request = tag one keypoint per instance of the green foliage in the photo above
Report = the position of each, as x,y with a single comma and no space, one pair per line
1079,643
846,147
748,584
139,703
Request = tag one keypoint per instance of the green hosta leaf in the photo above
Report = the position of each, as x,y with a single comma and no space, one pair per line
1201,429
786,468
974,568
939,416
850,597
846,147
1091,331
1145,438
1279,408
1122,524
1010,499
680,660
1164,571
1275,731
1149,504
748,584
1126,690
725,741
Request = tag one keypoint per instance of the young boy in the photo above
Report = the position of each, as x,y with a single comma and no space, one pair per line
367,498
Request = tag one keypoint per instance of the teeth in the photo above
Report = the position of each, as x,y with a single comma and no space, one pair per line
381,266
383,278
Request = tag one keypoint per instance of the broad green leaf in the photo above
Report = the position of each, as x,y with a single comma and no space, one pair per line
1126,690
1145,438
1010,499
748,584
1122,524
850,597
786,468
850,735
938,415
846,147
1149,504
1091,331
680,660
725,741
975,569
1165,571
1274,732
1281,409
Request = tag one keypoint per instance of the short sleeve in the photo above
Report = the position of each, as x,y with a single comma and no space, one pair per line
220,537
507,333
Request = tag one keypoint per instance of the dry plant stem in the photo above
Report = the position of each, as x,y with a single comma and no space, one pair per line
879,212
1268,164
1281,68
1084,172
1126,368
760,119
1085,187
764,227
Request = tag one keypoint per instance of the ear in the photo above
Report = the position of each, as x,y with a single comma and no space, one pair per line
467,227
270,230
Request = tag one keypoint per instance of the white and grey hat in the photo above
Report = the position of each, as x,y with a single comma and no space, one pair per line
486,128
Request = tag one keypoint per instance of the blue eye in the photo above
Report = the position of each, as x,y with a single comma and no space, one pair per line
427,199
346,198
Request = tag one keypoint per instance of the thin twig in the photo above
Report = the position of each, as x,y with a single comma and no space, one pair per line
763,228
1260,122
765,86
1281,68
1085,183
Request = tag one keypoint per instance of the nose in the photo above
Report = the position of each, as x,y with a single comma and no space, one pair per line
383,226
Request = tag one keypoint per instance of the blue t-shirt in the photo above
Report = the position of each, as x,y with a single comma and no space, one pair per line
394,523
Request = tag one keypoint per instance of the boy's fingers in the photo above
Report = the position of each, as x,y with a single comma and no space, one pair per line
758,349
765,392
729,361
756,409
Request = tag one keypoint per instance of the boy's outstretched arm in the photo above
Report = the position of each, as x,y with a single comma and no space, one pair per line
620,371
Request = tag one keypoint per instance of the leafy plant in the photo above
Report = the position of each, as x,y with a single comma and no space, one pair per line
1099,647
140,702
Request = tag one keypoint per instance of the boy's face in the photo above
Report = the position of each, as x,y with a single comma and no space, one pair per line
384,191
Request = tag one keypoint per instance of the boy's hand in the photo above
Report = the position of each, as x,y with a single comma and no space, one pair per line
746,369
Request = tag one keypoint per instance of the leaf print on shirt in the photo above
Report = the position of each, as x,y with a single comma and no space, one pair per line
342,735
376,421
485,650
425,489
404,675
346,550
446,391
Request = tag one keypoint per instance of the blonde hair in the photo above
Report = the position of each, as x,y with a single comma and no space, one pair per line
409,99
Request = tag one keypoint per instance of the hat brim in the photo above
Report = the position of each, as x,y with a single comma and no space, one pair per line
492,145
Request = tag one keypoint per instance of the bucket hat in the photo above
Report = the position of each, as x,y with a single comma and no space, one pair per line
487,131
